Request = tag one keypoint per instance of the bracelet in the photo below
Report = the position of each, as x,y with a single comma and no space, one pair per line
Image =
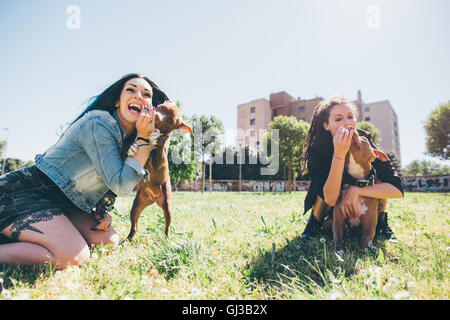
143,139
143,145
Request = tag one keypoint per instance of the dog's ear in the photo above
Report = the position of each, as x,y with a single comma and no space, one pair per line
184,128
381,155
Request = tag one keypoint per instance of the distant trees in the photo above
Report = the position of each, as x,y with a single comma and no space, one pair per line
11,164
425,168
182,166
208,142
2,148
437,129
375,134
292,133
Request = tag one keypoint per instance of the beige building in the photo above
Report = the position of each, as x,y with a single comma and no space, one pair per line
253,118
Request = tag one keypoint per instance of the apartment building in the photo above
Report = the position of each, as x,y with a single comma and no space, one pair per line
253,118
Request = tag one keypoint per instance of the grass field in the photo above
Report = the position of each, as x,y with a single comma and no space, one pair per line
248,246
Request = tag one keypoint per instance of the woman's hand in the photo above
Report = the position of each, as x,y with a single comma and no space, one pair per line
350,202
153,137
341,141
145,123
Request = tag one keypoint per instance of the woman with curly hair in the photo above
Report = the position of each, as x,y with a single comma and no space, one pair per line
327,144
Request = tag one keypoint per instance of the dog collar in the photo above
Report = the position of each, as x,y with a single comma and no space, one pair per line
363,183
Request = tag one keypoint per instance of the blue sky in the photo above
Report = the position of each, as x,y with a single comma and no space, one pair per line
213,55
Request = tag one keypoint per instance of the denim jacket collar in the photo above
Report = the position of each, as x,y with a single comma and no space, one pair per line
122,130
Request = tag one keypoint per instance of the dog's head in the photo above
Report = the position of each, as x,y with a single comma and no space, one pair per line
362,150
168,118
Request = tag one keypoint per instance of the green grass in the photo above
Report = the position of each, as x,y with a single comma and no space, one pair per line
248,246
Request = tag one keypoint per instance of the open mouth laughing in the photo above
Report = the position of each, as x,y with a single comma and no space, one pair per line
135,108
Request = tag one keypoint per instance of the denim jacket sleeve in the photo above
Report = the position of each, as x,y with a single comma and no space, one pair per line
103,147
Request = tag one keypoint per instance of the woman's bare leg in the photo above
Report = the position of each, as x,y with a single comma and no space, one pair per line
24,253
83,222
44,237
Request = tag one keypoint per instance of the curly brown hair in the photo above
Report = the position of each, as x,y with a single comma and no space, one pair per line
321,116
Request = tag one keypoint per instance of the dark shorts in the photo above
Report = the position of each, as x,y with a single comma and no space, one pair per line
28,196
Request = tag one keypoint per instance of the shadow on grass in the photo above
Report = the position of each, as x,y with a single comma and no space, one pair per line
305,265
13,275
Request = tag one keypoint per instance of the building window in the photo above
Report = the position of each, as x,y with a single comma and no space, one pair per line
252,121
301,109
252,133
367,109
252,109
367,119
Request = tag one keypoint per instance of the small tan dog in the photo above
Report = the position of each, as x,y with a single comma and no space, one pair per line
158,189
358,164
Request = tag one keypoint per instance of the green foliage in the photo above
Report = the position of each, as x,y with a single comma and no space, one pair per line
2,148
247,246
211,129
375,134
181,149
425,168
208,131
438,131
171,257
12,164
292,134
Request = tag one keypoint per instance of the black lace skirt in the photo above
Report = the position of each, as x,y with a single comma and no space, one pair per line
27,193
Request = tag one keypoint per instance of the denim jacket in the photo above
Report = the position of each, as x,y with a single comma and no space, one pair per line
86,161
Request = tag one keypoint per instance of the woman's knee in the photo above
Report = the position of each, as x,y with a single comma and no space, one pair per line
109,238
71,256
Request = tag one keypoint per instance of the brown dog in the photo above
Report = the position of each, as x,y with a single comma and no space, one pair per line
158,189
358,165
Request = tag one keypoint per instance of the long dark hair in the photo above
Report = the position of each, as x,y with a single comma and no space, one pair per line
107,101
321,116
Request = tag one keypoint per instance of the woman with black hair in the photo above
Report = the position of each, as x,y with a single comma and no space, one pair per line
327,144
46,209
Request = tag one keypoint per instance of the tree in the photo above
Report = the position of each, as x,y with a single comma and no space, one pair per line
181,155
425,168
2,148
207,142
438,132
292,134
375,134
12,164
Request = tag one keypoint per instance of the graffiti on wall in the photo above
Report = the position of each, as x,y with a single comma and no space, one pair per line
233,185
426,184
410,184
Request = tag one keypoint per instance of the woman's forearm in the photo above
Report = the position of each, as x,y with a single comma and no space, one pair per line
381,191
142,154
332,187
